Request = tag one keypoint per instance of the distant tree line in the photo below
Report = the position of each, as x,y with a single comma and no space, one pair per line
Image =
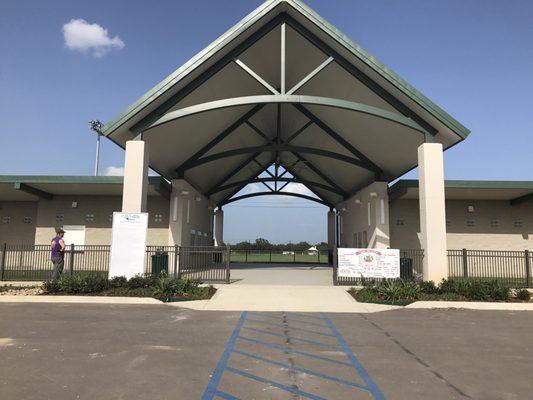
263,244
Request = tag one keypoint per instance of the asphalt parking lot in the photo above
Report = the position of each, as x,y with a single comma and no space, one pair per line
75,351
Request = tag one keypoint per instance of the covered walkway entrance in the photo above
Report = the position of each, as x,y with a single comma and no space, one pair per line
283,97
281,274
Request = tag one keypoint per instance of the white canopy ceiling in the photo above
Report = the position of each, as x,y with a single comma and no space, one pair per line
284,87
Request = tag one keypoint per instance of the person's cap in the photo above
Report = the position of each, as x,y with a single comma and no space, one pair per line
59,230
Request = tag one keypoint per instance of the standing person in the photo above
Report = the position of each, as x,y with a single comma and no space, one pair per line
58,253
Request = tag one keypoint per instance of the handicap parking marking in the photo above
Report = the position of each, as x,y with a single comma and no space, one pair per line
241,337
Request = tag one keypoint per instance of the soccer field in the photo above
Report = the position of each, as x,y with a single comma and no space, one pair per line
242,256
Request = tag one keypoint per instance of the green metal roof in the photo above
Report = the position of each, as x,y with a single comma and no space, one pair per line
319,22
54,179
466,184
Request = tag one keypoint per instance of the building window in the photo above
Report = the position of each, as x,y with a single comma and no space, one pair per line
518,223
89,217
400,222
60,217
470,222
494,223
27,220
6,220
448,223
158,218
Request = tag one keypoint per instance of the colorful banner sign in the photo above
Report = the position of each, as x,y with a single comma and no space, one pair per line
368,263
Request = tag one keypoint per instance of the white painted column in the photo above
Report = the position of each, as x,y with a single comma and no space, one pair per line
176,213
432,211
134,192
331,230
219,227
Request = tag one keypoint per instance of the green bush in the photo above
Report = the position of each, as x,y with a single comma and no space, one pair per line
523,294
394,291
428,287
142,281
118,282
476,289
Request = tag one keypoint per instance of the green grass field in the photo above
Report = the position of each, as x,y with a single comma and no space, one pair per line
267,257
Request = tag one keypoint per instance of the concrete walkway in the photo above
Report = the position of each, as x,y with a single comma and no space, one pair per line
281,274
254,297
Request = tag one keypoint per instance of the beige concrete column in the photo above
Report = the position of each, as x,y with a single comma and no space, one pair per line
331,230
432,211
135,187
219,227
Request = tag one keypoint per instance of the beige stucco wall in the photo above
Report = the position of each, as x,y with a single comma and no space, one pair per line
372,201
17,231
99,230
482,236
193,214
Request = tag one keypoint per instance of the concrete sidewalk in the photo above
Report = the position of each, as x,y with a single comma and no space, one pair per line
334,299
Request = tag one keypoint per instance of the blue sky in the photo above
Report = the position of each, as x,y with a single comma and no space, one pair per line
473,58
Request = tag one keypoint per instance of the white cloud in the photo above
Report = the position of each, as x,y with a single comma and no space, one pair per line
84,37
114,171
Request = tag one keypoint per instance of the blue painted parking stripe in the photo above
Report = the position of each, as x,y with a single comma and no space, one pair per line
304,370
225,396
211,389
331,346
372,387
275,384
285,348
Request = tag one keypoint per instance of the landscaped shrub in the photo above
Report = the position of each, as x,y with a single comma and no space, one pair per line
523,294
476,289
142,281
162,286
463,289
394,291
428,287
118,281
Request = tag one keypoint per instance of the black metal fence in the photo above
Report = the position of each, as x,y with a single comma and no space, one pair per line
278,256
511,267
32,262
411,266
207,263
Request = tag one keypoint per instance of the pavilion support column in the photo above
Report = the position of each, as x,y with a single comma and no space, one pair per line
331,230
134,192
432,211
219,227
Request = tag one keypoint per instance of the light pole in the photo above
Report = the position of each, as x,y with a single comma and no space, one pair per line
96,126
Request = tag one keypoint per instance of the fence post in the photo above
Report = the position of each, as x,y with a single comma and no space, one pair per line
528,269
3,262
227,264
270,258
176,252
465,263
318,256
294,256
246,255
180,264
335,267
72,259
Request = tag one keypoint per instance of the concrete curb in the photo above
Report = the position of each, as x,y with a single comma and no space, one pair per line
474,305
79,299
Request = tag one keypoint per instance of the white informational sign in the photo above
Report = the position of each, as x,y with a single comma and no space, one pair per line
128,244
74,234
369,263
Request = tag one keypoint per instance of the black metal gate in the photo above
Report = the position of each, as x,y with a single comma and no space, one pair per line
206,263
